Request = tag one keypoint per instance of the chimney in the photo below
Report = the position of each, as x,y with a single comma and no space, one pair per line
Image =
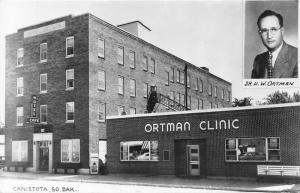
205,68
136,28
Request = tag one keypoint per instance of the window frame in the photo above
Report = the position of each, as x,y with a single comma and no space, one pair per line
43,122
172,75
43,51
121,85
101,75
120,48
132,59
71,120
164,159
210,89
132,89
70,147
188,79
100,104
167,83
20,57
145,63
145,89
19,110
19,150
21,87
133,160
67,39
46,82
100,43
67,86
152,66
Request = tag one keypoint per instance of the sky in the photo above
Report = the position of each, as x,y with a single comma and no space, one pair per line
204,33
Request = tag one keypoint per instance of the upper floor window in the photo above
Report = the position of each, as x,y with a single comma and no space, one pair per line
228,96
19,116
201,85
145,63
20,56
43,113
120,55
167,78
20,86
70,112
196,84
178,76
172,75
189,100
182,77
101,112
101,80
43,83
19,151
145,90
70,46
121,85
209,89
132,59
222,94
132,88
200,104
188,81
215,91
70,79
101,48
121,110
132,111
152,66
70,150
43,52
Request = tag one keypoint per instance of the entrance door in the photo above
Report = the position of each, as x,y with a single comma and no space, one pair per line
43,156
193,160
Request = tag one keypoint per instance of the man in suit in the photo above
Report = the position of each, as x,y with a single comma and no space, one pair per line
281,59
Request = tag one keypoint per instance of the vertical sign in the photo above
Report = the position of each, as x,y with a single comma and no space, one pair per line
33,106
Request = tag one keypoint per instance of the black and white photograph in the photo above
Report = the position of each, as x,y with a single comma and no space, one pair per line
149,96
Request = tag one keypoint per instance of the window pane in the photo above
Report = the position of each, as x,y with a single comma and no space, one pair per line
75,150
101,48
139,150
152,66
20,55
252,149
70,78
145,63
101,80
121,85
132,59
43,113
101,112
132,87
20,86
70,46
19,115
65,150
70,111
145,89
120,55
43,51
43,82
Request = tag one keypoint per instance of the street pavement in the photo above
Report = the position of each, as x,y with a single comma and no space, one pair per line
239,185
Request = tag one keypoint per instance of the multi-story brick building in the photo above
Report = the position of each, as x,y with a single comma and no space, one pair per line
65,75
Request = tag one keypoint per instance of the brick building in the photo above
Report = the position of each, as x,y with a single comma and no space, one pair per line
64,76
229,142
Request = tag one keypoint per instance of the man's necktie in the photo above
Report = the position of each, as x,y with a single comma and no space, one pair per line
269,68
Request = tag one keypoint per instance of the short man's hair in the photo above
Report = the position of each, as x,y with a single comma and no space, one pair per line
267,13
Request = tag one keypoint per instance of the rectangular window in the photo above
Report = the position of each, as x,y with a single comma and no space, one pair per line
70,79
196,84
19,116
201,104
43,113
43,52
139,151
172,75
222,94
152,66
166,155
145,90
101,112
177,98
177,76
132,111
121,110
228,96
209,89
43,83
19,151
189,102
132,87
101,48
188,81
132,59
20,86
167,79
70,112
145,63
215,91
182,77
70,150
121,85
252,149
201,85
70,46
101,80
20,57
120,55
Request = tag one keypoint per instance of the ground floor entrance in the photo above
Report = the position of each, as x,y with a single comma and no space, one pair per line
43,155
42,152
190,157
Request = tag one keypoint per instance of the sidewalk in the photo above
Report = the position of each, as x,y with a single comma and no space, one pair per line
162,181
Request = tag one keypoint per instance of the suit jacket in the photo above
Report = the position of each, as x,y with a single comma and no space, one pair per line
286,64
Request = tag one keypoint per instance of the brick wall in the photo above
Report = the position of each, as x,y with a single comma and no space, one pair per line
279,122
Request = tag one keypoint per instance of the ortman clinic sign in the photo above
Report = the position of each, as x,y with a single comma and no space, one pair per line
186,126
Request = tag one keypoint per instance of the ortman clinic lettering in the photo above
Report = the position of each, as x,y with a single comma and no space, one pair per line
186,126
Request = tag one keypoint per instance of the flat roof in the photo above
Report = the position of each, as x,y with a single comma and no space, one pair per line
297,104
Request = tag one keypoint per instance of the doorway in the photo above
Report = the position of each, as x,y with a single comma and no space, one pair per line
43,155
193,160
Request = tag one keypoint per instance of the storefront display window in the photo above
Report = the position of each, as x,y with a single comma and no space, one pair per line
139,151
252,149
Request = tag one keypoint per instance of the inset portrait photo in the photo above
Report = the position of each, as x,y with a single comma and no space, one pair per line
271,41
